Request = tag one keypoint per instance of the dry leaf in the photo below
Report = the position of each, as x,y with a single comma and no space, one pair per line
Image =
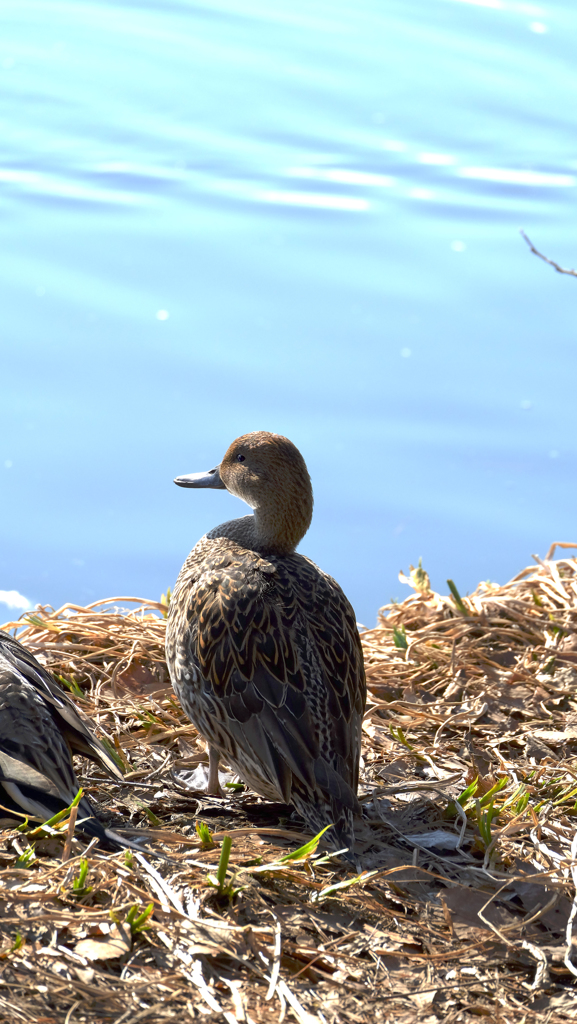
115,944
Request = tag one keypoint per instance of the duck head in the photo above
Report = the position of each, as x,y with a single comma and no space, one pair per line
269,473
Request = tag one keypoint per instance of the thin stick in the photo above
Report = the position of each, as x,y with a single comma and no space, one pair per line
70,833
559,269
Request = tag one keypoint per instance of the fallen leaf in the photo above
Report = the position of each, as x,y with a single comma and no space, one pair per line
115,944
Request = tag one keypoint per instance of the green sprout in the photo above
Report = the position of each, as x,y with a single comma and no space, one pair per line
35,620
204,834
457,598
518,800
79,888
398,735
420,578
147,718
330,889
219,880
569,793
521,804
18,942
469,792
47,827
400,638
484,819
26,859
305,851
165,601
136,921
114,754
72,685
149,813
487,797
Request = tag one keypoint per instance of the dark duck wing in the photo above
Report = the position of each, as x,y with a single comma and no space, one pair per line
40,728
266,659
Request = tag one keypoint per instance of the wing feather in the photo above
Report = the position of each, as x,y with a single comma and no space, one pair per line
71,721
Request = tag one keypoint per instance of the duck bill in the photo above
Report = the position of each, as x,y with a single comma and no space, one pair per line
210,479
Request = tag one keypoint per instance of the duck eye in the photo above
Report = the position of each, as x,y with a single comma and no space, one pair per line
240,458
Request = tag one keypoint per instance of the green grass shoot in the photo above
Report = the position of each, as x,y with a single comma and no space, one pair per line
149,813
358,879
305,851
48,827
398,735
136,921
72,685
400,638
204,834
488,796
35,620
484,818
420,578
79,887
219,881
469,792
165,601
118,760
18,942
26,859
223,862
457,598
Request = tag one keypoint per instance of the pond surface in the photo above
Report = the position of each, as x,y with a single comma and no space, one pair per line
228,216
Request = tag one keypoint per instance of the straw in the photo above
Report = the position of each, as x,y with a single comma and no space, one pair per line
466,907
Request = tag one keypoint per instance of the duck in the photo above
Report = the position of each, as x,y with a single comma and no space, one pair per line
40,730
262,646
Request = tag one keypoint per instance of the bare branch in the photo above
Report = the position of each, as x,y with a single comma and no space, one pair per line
561,270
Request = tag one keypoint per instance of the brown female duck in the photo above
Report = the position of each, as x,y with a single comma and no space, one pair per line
263,648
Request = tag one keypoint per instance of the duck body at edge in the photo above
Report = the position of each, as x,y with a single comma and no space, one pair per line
40,729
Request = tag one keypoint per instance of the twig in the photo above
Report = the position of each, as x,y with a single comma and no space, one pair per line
541,974
70,833
559,269
275,969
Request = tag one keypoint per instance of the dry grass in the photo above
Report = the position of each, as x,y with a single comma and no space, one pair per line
466,907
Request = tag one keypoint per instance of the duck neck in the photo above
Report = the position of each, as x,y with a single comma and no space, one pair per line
278,529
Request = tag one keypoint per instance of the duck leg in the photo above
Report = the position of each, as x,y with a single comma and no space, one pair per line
213,788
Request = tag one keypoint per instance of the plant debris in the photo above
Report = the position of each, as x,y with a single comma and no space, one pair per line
467,904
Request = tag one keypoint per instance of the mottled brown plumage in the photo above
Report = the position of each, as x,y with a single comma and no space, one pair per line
40,729
263,648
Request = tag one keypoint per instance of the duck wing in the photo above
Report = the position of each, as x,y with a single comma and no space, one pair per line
280,681
17,662
38,728
36,770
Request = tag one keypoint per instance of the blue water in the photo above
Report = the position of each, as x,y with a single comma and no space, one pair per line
227,216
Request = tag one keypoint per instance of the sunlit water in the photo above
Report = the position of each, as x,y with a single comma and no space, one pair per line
298,217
